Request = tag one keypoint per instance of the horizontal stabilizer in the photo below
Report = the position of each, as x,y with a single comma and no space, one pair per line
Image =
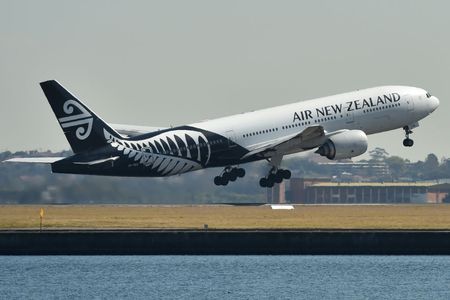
35,160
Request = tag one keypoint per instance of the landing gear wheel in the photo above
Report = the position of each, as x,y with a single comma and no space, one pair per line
286,174
220,180
408,142
240,172
272,177
226,176
229,174
266,182
232,176
279,176
275,176
263,182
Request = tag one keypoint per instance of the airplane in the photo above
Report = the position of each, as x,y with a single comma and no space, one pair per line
336,126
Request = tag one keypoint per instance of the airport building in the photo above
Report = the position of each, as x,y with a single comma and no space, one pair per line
319,190
366,169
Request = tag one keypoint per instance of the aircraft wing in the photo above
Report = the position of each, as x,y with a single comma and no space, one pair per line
133,130
34,160
309,138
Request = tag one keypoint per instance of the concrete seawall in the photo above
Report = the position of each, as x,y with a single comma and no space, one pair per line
240,242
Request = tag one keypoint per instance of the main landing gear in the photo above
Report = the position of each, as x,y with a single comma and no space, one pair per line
407,142
275,176
229,174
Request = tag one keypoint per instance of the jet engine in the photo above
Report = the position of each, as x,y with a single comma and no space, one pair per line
346,144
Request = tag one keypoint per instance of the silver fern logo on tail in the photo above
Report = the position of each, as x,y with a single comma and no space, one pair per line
83,120
168,153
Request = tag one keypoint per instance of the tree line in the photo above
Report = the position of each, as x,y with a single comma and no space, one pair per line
31,183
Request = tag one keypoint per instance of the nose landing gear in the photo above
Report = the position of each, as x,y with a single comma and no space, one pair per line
407,142
229,174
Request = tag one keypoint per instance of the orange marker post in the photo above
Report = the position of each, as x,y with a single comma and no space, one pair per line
41,215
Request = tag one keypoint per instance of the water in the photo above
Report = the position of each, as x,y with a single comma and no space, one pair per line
225,277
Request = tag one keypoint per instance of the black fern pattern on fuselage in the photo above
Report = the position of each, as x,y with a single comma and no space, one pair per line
175,151
163,153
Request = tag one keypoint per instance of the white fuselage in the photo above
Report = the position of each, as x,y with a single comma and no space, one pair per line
399,106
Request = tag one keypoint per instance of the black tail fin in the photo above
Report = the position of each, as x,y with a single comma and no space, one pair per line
83,128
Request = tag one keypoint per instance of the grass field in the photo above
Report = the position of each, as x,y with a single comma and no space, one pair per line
232,217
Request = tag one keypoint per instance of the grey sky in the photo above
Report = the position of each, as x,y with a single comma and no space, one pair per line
175,62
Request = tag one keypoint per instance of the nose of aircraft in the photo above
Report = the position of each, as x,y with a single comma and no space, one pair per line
434,103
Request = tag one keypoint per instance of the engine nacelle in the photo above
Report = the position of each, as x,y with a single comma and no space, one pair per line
346,144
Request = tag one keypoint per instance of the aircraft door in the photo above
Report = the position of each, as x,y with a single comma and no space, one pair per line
409,102
349,117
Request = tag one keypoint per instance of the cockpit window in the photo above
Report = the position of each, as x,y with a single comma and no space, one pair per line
428,95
